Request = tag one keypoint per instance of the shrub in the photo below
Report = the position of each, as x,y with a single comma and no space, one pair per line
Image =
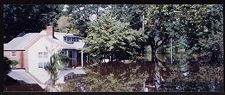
14,63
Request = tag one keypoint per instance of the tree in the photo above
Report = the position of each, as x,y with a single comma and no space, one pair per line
111,77
65,24
20,19
186,24
6,69
57,63
6,65
108,37
213,25
197,26
82,14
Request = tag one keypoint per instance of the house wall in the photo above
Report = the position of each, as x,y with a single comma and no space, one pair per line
33,59
19,56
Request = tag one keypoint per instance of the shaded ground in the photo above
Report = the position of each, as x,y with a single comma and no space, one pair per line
204,78
206,73
207,78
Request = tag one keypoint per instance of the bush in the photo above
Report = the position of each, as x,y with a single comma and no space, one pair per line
110,77
6,65
14,63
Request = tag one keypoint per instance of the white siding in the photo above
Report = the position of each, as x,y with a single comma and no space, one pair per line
33,59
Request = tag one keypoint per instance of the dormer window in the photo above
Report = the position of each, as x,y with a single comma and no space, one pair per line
68,38
71,39
13,53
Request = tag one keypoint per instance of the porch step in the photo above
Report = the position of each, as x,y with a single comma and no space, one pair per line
79,67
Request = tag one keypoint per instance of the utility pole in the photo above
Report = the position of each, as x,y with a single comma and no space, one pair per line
171,50
82,64
143,23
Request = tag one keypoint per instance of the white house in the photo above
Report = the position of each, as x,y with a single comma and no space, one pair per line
33,51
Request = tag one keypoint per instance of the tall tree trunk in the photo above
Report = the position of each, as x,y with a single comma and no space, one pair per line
157,74
153,59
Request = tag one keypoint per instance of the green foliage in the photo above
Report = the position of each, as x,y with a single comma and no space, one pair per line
27,18
120,80
107,36
200,27
65,24
185,24
57,62
64,59
82,13
6,65
195,28
14,62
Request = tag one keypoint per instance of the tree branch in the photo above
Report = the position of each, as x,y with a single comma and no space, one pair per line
163,41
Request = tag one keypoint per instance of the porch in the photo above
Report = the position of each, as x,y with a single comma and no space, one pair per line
76,57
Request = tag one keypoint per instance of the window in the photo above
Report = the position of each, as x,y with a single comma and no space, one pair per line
64,38
42,54
45,54
62,52
40,65
13,53
73,39
45,64
65,78
68,38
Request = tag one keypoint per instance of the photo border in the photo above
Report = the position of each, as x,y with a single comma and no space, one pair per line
101,2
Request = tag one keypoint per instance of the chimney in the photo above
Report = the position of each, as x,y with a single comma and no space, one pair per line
50,31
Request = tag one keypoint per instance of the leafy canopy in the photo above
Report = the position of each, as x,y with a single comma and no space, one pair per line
107,36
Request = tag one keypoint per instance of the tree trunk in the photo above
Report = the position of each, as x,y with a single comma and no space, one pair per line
157,74
153,59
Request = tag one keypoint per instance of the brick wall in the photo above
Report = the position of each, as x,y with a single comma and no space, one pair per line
18,56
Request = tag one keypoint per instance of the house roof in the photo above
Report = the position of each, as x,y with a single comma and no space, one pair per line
19,43
22,75
60,41
14,85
